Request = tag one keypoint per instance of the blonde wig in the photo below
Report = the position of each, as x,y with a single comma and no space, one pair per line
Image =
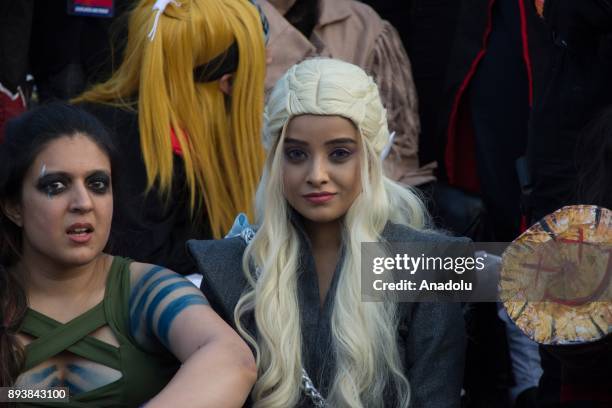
219,139
363,333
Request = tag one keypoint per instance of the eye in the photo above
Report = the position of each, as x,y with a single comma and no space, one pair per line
53,187
295,155
99,184
340,155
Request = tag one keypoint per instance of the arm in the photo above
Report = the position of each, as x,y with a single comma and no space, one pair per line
390,68
166,310
435,354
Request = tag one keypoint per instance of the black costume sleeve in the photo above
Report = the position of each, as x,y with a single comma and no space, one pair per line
434,340
433,336
220,263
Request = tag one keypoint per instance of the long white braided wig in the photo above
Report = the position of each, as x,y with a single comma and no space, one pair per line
363,333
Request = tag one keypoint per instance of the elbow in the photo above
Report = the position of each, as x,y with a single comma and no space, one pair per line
249,374
236,371
250,368
245,367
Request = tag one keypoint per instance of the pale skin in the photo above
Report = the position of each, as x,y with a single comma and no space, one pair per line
321,180
225,84
67,190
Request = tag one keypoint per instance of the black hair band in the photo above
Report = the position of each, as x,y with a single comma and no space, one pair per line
224,63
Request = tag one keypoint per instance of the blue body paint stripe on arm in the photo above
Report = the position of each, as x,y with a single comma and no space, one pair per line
159,297
41,376
138,310
172,310
141,282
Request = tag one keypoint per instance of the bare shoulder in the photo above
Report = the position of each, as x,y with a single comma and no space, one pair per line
139,269
157,296
147,279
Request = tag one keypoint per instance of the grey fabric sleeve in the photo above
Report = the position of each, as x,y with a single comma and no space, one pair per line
220,263
435,345
434,337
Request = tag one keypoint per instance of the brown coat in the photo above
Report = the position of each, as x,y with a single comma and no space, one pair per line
351,31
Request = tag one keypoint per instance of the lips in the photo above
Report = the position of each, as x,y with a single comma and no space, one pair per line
319,198
80,233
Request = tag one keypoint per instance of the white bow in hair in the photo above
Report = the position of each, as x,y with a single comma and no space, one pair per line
387,149
159,7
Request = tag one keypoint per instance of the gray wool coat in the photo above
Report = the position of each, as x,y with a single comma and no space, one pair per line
431,336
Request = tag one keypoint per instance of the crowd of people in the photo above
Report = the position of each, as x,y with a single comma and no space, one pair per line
256,144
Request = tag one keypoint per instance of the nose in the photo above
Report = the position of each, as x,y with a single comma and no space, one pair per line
318,172
81,201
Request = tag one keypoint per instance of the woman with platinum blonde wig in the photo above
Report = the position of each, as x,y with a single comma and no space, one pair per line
293,287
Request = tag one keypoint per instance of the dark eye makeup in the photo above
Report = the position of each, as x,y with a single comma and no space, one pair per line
53,184
341,154
295,155
337,155
98,182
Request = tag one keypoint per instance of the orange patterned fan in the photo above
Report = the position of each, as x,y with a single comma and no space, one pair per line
556,279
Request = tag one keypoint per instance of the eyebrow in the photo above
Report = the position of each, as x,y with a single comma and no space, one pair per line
344,140
63,174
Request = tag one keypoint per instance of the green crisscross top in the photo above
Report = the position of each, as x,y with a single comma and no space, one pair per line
144,374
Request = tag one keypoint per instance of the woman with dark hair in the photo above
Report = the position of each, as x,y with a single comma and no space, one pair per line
110,330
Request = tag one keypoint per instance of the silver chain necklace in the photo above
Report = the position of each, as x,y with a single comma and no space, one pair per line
311,392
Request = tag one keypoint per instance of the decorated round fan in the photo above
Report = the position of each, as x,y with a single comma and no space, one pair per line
556,278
